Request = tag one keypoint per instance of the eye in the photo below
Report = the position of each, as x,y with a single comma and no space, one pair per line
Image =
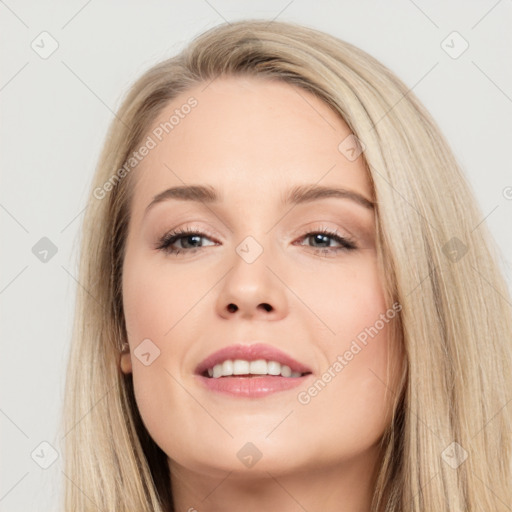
323,235
187,237
189,240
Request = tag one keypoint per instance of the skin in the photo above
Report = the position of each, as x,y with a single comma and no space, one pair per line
252,140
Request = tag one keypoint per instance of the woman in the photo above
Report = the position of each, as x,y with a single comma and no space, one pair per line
221,359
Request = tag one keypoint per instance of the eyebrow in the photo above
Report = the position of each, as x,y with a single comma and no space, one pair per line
296,195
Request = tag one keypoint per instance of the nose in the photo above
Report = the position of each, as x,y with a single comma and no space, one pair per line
252,289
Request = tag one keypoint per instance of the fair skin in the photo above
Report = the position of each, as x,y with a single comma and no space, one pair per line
253,140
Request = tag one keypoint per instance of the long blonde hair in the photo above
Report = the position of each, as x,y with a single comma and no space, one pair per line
438,260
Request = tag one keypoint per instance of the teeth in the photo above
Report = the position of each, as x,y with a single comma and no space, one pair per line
227,367
273,368
240,367
258,367
286,371
217,371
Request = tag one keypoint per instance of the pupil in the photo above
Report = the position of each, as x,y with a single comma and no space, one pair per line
190,237
320,238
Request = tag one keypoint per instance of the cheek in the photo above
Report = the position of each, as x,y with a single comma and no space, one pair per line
354,393
157,306
345,298
155,299
145,303
353,382
352,399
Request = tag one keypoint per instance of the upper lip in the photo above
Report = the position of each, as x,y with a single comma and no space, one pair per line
251,353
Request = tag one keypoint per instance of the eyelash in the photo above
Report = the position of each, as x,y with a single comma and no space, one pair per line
168,239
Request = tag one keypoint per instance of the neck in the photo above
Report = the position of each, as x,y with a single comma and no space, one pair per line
348,487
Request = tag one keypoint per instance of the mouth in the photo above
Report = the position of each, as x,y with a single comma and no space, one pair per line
251,371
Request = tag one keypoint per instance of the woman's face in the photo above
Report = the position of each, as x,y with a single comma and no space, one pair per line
256,269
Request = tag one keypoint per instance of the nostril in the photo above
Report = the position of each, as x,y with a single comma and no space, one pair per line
232,308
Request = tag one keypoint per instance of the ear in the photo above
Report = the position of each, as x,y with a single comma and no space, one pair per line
126,362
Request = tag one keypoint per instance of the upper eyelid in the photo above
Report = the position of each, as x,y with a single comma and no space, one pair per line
206,232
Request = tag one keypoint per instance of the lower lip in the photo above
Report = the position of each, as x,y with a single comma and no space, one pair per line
251,387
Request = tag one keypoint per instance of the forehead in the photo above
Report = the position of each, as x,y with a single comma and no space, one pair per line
249,137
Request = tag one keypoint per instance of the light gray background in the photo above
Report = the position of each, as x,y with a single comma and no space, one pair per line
55,113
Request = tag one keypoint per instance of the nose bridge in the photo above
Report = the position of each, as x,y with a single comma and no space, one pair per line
254,230
250,263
